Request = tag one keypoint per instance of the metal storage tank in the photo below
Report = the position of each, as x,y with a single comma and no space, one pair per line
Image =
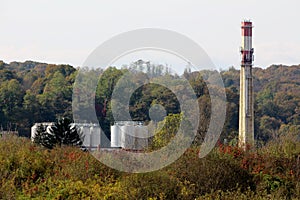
33,131
115,136
95,136
128,137
141,139
87,135
123,130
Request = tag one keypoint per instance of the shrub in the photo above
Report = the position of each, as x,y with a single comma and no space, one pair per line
211,173
28,171
155,185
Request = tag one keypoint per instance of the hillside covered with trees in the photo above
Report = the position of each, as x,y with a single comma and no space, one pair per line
33,92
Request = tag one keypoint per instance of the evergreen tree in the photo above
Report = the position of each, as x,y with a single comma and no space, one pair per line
43,137
63,132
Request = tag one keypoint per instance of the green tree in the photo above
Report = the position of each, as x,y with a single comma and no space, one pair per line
11,97
56,98
106,84
268,126
169,128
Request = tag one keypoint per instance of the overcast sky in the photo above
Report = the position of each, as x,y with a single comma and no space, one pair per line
63,31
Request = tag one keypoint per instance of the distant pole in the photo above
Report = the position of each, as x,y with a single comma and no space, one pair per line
246,114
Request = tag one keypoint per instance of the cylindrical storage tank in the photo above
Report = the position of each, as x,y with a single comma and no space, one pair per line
87,135
123,130
129,137
95,136
33,131
136,138
115,136
143,142
142,137
139,137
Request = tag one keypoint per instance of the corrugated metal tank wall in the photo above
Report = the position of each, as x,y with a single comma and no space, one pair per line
87,134
115,136
95,136
129,135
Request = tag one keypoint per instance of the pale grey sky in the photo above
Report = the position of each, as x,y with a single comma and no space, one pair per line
65,31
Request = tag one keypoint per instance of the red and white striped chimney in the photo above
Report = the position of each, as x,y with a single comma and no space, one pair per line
246,49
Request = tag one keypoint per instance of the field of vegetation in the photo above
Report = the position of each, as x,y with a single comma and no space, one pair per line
29,171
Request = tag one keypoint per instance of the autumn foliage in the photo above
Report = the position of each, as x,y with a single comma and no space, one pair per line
28,171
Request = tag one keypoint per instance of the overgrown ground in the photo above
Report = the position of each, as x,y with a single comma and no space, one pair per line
28,171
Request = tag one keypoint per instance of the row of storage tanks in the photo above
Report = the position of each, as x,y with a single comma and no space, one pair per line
92,135
129,135
91,132
125,134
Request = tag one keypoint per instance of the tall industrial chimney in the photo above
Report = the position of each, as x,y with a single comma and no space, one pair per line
246,115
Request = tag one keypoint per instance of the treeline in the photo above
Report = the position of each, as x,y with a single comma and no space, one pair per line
277,98
36,92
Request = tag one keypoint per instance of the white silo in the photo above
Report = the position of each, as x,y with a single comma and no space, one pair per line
115,135
33,131
129,136
95,136
123,130
141,139
87,135
145,140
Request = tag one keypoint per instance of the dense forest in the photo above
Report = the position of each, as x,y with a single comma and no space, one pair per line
33,92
